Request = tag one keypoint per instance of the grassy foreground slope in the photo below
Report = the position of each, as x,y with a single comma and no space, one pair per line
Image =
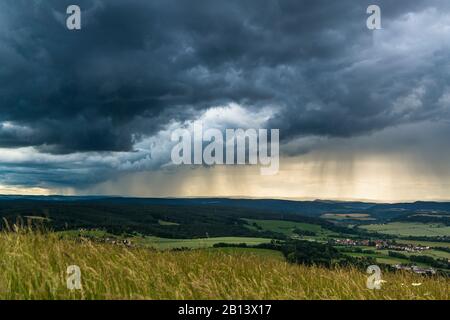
33,266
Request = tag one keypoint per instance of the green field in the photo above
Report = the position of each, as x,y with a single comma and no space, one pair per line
167,223
425,243
251,251
436,254
383,257
287,227
164,244
410,229
347,216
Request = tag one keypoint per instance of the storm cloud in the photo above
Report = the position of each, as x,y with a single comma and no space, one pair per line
102,99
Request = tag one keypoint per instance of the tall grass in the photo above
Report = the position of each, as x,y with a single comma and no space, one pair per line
33,266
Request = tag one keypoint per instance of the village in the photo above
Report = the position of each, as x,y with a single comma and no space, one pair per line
415,269
391,246
380,245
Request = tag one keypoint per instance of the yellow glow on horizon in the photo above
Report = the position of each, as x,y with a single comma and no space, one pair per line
374,178
33,191
312,176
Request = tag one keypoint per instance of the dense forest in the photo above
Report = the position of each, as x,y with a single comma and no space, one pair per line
192,221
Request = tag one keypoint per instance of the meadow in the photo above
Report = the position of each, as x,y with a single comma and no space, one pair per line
381,258
161,243
410,229
347,216
425,243
34,266
287,227
164,243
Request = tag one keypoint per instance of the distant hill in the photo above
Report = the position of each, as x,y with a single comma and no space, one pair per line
308,208
191,218
316,207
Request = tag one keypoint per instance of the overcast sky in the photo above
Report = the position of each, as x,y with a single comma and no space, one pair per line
362,114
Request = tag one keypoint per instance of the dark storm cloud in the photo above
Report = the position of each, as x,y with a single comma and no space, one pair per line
136,65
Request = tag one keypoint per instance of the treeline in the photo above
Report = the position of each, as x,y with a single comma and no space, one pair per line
304,233
356,250
441,218
124,217
435,263
428,239
309,253
130,218
445,249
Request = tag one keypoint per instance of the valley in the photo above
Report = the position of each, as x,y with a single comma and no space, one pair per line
356,233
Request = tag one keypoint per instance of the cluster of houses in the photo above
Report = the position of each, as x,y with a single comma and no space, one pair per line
351,242
415,269
123,242
403,247
381,245
83,234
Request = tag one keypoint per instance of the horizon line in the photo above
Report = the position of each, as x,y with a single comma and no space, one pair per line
306,199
